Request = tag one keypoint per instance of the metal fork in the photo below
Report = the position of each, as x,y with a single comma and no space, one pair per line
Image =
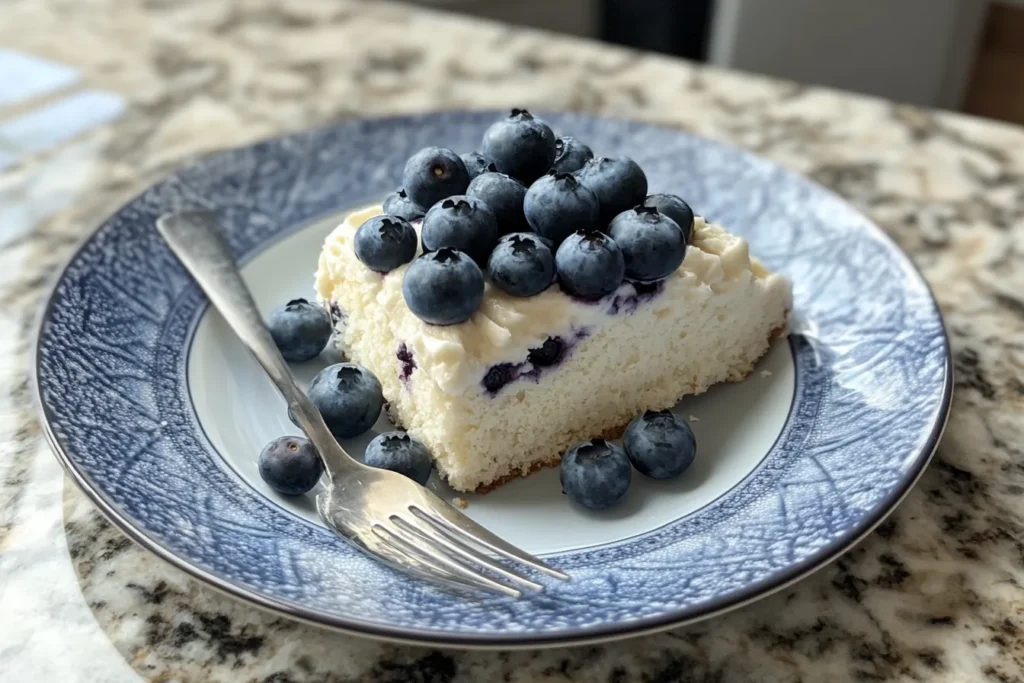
381,512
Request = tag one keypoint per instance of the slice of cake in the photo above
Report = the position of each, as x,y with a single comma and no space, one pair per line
524,377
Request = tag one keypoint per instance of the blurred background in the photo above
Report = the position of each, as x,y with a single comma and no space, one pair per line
965,55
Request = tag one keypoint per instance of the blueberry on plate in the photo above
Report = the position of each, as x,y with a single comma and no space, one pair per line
504,196
463,223
290,465
443,287
619,184
521,265
652,244
520,146
475,163
432,174
570,155
595,474
660,444
675,208
558,205
589,264
399,452
399,204
300,330
385,242
349,397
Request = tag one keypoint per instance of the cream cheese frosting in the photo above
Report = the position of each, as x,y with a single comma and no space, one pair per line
505,328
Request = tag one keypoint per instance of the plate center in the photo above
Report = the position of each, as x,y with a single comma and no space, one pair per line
240,411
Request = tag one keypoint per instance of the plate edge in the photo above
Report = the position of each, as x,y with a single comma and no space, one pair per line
405,636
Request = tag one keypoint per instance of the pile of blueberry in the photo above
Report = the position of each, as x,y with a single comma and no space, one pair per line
528,209
348,396
597,473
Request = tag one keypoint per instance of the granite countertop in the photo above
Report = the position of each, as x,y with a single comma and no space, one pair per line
934,595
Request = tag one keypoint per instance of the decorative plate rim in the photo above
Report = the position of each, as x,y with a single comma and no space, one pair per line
751,592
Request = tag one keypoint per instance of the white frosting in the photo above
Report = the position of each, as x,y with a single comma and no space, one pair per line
505,328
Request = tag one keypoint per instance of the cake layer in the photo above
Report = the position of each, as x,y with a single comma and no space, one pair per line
524,378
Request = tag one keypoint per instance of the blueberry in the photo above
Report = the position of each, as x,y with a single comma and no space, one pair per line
290,465
399,204
504,196
589,264
521,265
463,223
559,204
385,242
619,184
652,244
444,287
348,397
675,208
595,473
660,444
300,330
500,375
399,452
547,354
407,359
432,174
570,155
476,164
520,146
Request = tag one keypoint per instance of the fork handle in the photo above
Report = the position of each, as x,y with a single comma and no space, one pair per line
199,244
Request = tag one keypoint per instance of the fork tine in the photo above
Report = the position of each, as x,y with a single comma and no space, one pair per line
422,566
451,544
432,557
389,553
392,555
462,527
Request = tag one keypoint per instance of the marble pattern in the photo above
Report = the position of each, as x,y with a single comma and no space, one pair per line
934,595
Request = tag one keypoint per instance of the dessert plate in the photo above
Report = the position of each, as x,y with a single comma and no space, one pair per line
159,414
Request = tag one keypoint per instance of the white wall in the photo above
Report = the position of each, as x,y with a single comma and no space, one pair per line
915,51
578,17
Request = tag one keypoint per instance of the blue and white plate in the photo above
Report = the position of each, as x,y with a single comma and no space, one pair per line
159,414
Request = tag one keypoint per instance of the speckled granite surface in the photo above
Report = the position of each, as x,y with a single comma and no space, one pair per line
935,595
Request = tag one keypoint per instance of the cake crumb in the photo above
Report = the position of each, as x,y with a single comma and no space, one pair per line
766,373
460,503
693,418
